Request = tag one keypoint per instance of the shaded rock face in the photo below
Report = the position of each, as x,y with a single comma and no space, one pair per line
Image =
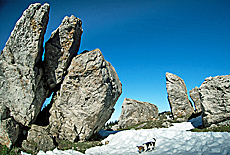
215,100
21,82
86,99
134,112
9,132
62,46
38,139
195,96
177,97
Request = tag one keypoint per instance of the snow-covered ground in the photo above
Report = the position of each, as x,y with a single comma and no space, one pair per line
173,140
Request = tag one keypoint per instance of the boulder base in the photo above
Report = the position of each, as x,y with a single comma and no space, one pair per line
38,139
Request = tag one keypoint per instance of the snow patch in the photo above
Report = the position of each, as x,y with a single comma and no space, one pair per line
173,140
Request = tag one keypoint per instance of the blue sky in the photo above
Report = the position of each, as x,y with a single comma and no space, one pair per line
144,39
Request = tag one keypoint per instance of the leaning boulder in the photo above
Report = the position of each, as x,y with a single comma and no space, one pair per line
177,97
22,88
86,99
215,100
134,112
62,46
38,139
21,75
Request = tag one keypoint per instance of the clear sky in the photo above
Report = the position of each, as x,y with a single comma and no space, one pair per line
144,39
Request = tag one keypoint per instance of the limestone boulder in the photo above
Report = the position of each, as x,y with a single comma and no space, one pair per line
180,105
215,100
62,46
22,88
195,96
86,99
38,139
134,112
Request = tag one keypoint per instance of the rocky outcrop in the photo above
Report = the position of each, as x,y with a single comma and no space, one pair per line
21,86
86,99
38,139
134,112
22,89
177,97
195,96
62,46
215,100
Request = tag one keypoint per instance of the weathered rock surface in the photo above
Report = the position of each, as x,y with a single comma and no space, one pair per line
195,96
215,99
9,131
38,139
134,112
21,82
177,97
22,89
86,98
62,46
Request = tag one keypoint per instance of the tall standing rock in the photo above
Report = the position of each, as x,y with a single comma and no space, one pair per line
62,46
21,75
215,99
177,96
134,112
195,96
86,98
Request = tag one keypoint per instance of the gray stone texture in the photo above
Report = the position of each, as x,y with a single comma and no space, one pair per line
86,99
215,100
9,131
134,112
22,91
62,46
38,139
177,97
21,82
195,96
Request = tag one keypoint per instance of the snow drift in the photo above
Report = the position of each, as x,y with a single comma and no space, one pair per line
173,140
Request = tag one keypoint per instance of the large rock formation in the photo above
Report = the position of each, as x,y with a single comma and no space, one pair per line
215,100
177,96
62,46
134,112
22,88
195,96
21,75
86,98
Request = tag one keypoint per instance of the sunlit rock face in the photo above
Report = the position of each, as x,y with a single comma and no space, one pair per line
86,99
62,46
21,75
177,97
134,112
215,100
